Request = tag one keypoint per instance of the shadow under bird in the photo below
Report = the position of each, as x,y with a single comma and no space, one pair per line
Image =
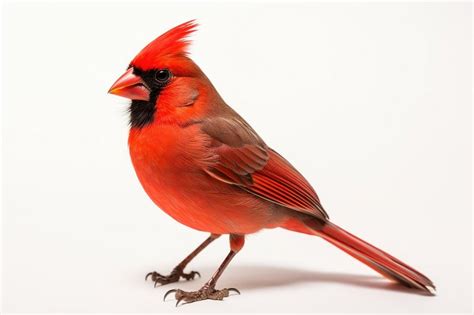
205,166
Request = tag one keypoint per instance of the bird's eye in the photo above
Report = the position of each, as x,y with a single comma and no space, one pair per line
162,76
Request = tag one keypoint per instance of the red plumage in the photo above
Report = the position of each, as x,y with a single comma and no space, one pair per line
205,166
173,43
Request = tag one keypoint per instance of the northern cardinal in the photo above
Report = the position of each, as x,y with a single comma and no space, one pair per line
203,164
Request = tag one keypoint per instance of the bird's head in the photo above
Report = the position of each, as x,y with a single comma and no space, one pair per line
163,82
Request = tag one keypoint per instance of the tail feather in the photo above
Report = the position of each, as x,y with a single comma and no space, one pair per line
375,258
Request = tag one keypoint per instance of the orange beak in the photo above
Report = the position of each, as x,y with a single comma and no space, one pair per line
130,86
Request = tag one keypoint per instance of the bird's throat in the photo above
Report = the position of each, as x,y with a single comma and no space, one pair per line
142,113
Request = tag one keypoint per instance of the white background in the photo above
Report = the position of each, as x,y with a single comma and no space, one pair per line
370,101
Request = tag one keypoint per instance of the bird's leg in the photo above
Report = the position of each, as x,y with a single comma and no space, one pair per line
178,271
209,291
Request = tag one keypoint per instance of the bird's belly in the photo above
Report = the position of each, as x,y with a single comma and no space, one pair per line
180,187
203,203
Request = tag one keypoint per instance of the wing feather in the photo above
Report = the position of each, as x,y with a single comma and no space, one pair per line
244,160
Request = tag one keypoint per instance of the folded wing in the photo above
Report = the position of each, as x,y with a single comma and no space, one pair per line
244,160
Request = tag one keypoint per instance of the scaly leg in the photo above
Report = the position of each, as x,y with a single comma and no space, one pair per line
178,271
209,291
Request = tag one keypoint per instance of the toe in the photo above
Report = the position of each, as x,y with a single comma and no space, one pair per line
169,292
234,290
149,274
204,293
191,275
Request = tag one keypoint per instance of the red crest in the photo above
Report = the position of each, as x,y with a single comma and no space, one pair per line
174,42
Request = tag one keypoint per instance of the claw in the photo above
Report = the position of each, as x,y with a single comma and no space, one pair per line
179,300
156,282
149,274
197,273
166,294
234,290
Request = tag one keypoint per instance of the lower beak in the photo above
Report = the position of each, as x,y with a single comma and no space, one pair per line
130,86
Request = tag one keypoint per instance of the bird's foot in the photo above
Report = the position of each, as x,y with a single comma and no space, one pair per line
174,276
205,293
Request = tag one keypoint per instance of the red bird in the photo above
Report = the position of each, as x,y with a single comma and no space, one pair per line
205,166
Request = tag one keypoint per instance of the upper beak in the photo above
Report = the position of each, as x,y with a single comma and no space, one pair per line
130,86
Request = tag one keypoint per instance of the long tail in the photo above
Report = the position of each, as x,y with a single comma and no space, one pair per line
380,261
